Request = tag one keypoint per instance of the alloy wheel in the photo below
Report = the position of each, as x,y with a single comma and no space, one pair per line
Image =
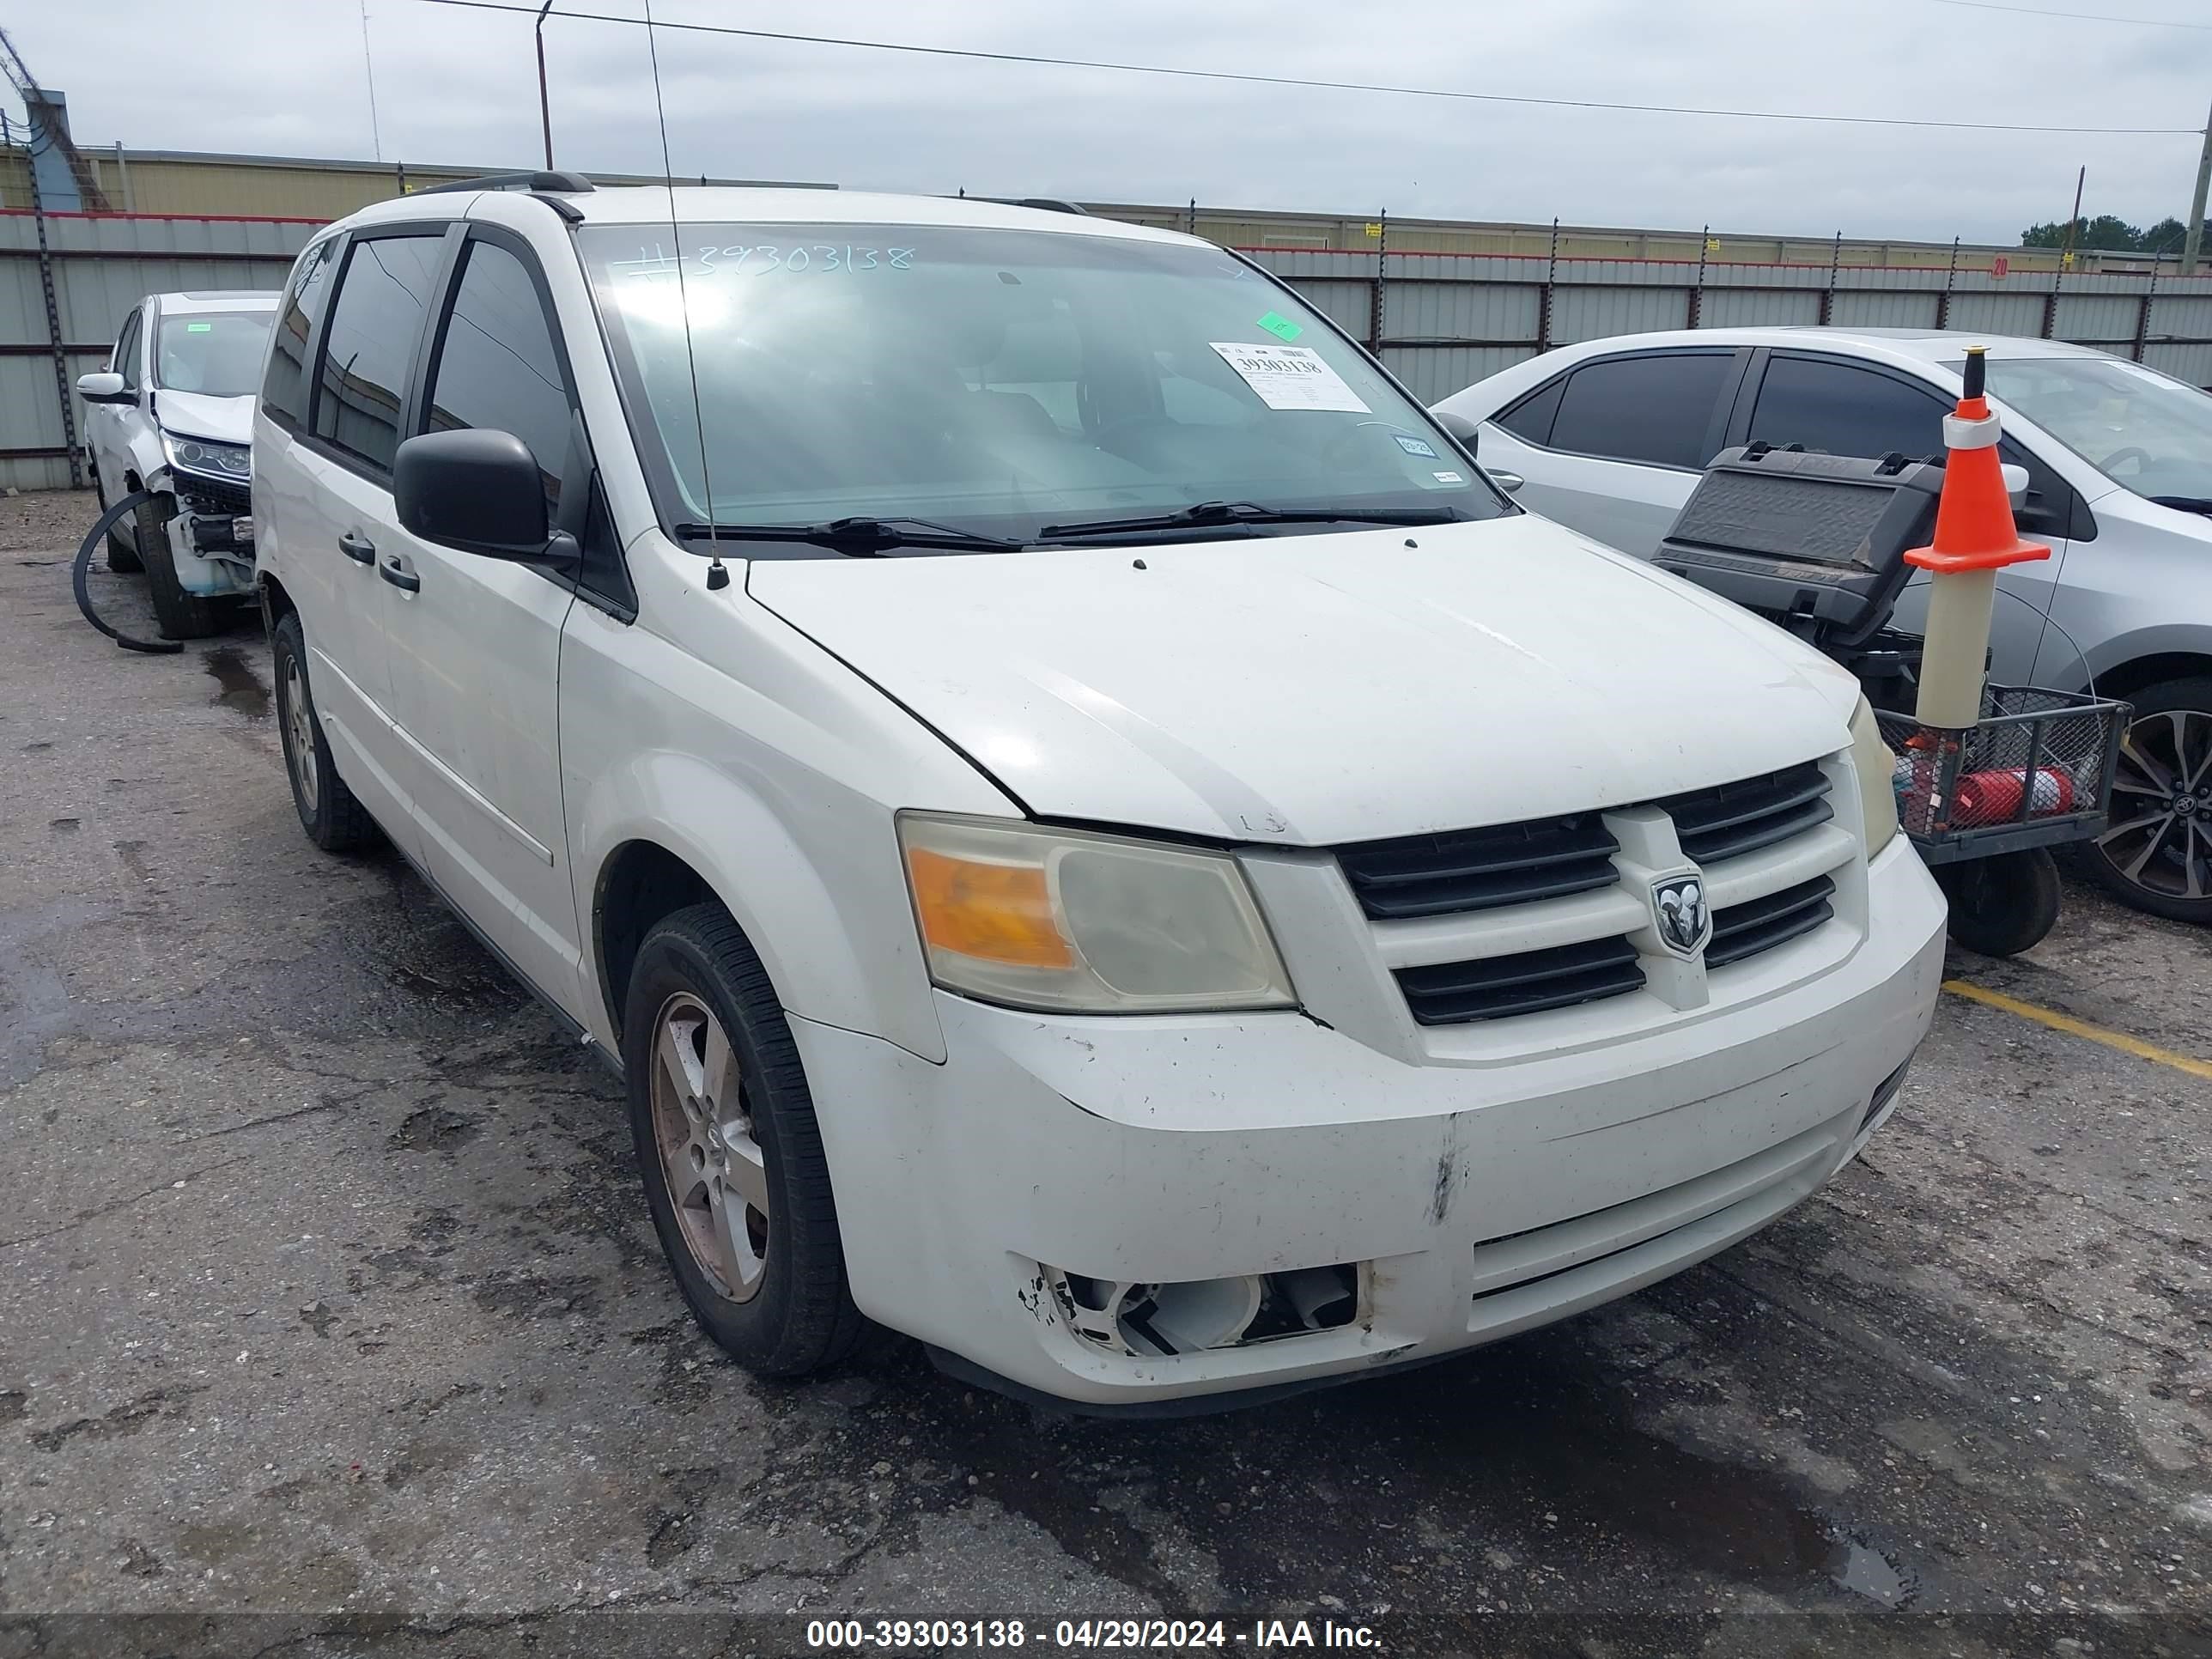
717,1177
299,727
2161,835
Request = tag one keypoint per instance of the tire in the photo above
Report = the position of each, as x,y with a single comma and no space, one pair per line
333,816
2001,906
183,616
2159,844
770,1289
122,540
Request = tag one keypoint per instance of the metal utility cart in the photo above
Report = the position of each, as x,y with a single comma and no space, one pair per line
1817,543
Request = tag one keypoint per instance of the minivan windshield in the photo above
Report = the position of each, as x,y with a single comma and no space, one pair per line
2143,430
1000,383
216,353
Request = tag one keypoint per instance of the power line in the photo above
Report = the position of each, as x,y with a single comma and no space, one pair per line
2078,16
1299,81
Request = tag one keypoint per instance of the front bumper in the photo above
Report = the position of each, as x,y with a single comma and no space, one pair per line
211,535
1481,1199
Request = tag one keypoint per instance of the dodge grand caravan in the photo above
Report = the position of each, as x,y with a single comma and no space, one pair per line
1092,833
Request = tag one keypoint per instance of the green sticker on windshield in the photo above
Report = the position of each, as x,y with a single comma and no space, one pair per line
200,328
1276,323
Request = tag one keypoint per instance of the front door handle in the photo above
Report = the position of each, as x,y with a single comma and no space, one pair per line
359,548
399,570
1509,482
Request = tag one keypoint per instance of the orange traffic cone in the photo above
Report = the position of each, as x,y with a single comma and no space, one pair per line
1975,538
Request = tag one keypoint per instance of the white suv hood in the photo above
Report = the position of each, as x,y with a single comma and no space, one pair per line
1324,688
195,415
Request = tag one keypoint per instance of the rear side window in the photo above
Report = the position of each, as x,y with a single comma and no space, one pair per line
1657,411
375,321
126,352
497,367
1844,410
1532,417
284,388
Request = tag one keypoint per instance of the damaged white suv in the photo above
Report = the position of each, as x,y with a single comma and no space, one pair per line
1093,833
173,414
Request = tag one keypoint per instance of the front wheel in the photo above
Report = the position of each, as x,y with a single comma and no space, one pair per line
183,616
2001,906
732,1158
122,538
2156,850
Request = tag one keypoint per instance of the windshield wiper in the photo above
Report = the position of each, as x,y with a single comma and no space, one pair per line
2186,503
1207,514
858,537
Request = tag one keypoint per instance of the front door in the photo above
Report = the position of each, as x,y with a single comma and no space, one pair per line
476,642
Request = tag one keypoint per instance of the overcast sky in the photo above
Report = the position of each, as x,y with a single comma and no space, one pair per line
287,77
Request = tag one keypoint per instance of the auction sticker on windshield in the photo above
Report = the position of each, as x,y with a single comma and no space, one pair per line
1290,377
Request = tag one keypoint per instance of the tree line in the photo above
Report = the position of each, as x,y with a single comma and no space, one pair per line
2109,233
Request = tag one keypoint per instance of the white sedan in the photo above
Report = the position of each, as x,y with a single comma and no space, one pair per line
1610,436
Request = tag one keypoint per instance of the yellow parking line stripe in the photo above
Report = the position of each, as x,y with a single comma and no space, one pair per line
2080,1028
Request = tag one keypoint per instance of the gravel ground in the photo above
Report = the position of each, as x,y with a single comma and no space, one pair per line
330,1318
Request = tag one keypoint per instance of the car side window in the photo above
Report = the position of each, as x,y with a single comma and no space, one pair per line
1655,410
1843,409
497,366
1532,417
375,319
284,388
126,352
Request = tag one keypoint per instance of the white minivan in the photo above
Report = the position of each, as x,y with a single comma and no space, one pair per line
1093,835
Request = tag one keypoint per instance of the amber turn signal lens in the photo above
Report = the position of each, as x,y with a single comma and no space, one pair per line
992,912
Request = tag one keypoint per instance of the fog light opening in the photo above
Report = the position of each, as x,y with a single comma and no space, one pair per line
1136,1316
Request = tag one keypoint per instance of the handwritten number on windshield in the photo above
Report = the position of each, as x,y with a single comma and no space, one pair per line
843,260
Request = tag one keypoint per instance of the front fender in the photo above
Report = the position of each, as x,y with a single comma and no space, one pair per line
840,947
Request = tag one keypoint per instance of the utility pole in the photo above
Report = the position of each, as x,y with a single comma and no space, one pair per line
544,104
2073,224
2191,248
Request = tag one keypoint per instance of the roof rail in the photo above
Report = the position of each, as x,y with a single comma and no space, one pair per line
1043,204
571,183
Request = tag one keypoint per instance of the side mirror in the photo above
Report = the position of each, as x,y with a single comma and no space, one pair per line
105,387
481,492
1461,429
2015,484
1509,482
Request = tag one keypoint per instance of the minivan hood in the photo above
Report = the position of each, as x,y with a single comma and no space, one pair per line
195,415
1312,690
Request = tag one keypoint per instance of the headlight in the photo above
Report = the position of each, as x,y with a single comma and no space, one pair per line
1877,770
1094,924
213,459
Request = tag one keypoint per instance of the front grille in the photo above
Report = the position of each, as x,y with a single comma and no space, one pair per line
1454,992
214,496
1734,819
1463,870
1742,931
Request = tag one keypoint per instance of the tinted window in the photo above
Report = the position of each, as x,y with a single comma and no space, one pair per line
374,322
1653,410
497,367
1844,411
1531,418
126,352
284,389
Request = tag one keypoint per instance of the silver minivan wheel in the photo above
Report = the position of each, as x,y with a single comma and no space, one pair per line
717,1177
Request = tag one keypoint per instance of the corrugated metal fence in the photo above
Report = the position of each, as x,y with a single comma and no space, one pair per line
102,264
1439,321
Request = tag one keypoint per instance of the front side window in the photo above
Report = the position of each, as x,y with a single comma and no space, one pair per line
1656,410
1000,382
375,320
126,352
497,367
2141,429
1839,409
284,389
215,353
